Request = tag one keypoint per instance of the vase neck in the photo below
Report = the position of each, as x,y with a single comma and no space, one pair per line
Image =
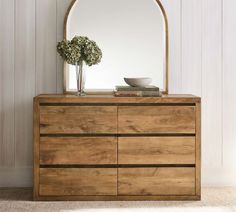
80,63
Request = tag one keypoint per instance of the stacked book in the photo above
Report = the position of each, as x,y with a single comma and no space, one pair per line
123,91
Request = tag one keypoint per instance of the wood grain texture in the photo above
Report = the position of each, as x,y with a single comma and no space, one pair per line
36,135
25,80
156,181
80,150
46,31
85,181
71,183
156,150
198,149
156,119
121,198
171,99
78,119
7,83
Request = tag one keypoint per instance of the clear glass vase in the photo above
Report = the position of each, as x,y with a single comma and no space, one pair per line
80,75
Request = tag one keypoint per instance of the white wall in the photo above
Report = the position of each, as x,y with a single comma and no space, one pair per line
202,62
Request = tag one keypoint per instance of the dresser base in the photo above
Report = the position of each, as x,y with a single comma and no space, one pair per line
118,198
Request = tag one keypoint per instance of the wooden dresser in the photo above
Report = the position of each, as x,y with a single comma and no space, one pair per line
117,148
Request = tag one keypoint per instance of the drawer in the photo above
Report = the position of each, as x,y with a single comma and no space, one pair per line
156,119
78,119
156,181
156,150
78,150
77,181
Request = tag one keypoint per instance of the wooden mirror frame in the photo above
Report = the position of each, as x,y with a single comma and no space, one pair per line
166,45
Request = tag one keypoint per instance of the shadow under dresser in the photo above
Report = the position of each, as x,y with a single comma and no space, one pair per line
117,148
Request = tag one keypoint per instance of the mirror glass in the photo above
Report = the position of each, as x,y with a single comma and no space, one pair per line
131,35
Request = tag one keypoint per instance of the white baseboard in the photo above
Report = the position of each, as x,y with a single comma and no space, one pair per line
22,177
218,177
16,177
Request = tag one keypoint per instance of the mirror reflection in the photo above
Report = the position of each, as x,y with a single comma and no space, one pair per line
131,35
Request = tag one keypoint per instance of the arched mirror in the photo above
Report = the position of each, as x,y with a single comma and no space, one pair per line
133,37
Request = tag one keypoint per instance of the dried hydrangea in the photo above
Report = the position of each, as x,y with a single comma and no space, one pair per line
69,52
80,49
90,52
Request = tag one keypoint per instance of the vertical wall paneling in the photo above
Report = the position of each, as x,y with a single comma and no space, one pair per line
201,61
229,85
173,9
212,83
191,46
46,62
24,80
62,7
7,143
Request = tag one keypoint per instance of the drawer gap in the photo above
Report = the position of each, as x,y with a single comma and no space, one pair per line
122,135
117,104
120,166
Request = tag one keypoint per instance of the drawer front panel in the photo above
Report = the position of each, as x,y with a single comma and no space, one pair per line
75,181
156,150
156,119
78,119
156,181
78,150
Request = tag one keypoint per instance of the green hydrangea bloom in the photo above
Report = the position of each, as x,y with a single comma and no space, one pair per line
80,49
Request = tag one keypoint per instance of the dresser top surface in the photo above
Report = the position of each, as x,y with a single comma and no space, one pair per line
63,98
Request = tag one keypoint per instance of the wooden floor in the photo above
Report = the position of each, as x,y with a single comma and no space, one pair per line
213,200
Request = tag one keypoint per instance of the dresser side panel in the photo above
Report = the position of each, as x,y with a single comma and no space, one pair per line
36,133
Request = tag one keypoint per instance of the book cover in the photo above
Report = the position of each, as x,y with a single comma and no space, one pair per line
129,88
138,93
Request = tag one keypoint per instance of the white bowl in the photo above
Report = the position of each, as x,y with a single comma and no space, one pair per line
138,82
